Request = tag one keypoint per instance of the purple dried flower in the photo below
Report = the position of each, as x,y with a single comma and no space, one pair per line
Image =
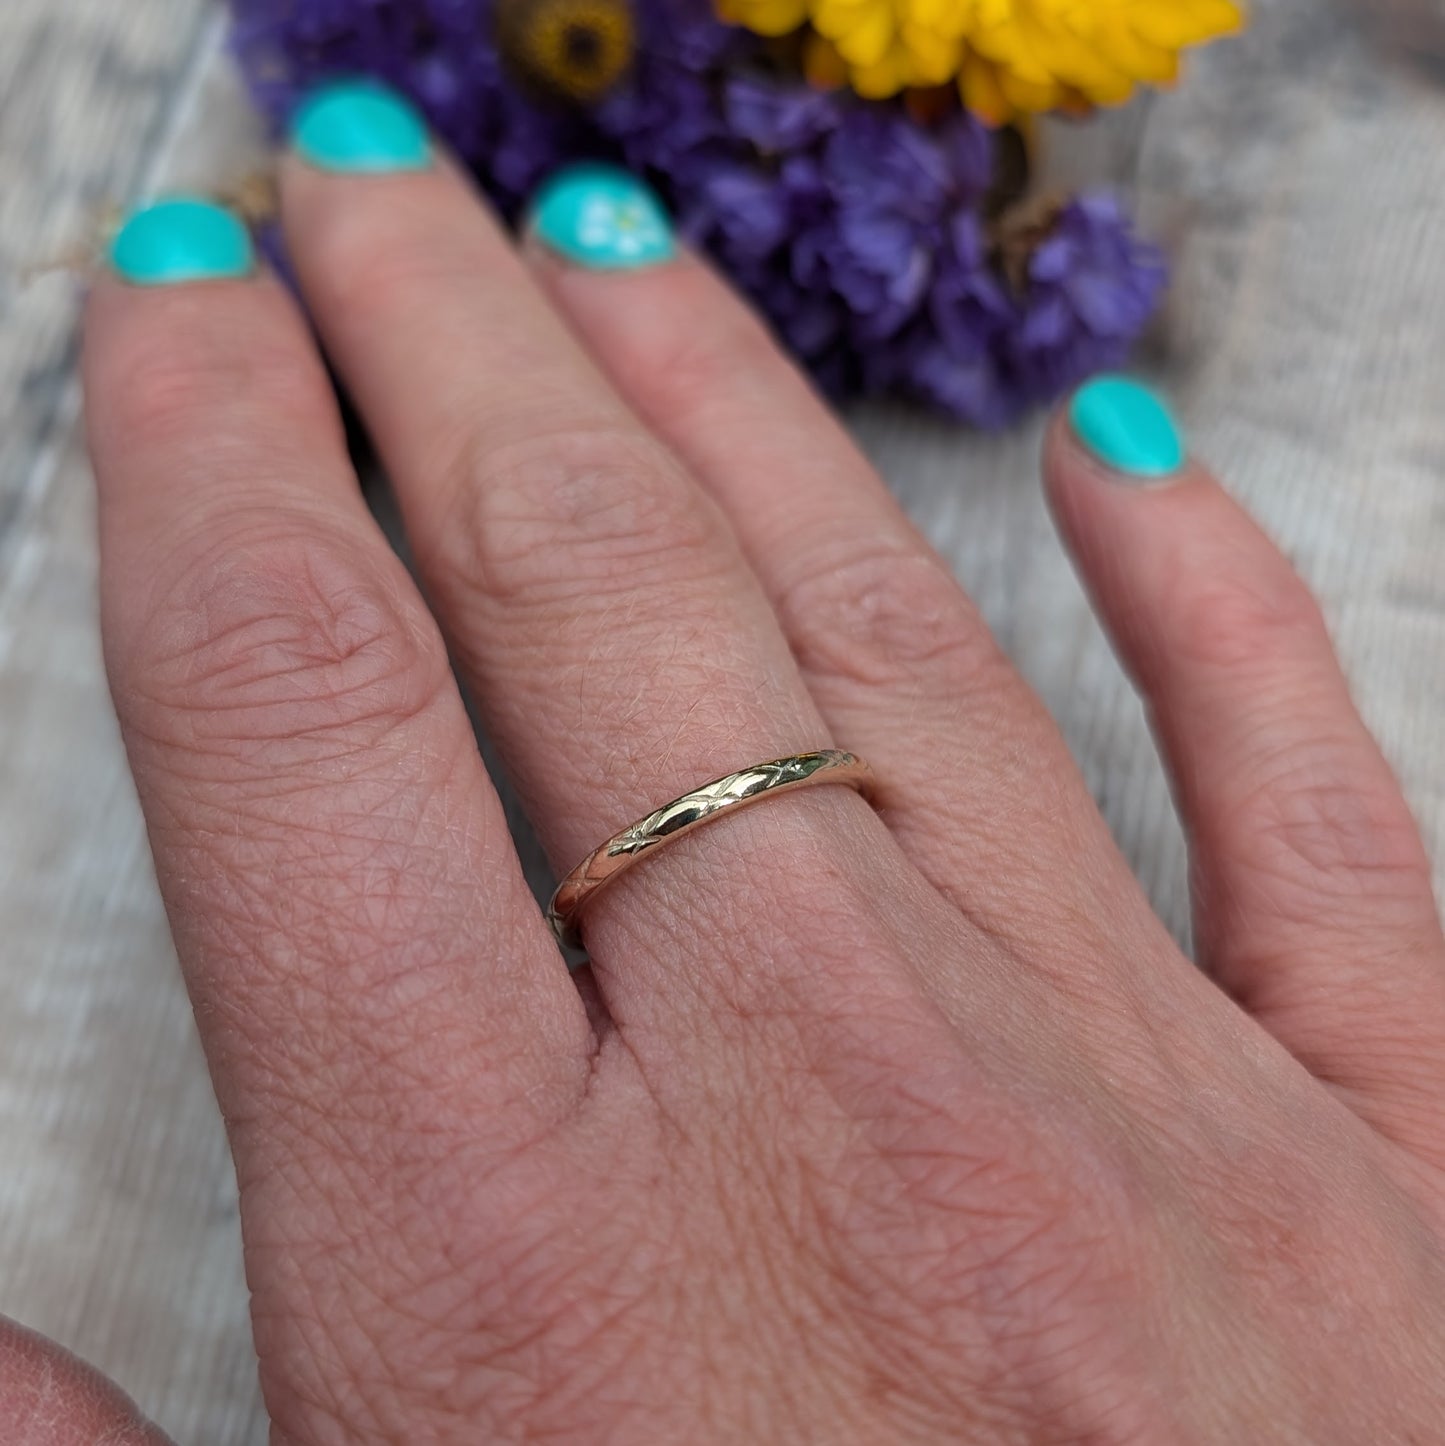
968,304
1092,286
897,192
856,229
666,119
743,211
950,356
777,117
972,389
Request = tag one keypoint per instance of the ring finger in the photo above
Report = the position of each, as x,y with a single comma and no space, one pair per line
977,783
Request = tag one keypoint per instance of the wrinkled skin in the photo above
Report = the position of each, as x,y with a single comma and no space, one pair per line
865,1126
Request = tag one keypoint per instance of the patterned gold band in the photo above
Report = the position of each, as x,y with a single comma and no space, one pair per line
722,795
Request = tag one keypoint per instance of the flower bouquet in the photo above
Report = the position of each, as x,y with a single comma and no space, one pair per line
859,168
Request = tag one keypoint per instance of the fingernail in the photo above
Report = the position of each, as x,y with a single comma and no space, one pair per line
182,238
602,218
1128,428
360,127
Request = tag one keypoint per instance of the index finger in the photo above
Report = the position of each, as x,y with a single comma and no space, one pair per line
375,987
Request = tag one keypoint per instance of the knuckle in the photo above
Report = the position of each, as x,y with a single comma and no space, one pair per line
268,638
586,510
1320,821
1239,623
1012,1237
1282,1213
1314,809
880,615
1008,1196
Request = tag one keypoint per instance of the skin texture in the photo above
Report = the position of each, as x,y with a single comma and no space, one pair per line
906,1125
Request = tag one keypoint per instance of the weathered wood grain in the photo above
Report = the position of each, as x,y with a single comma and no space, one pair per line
118,1228
1300,178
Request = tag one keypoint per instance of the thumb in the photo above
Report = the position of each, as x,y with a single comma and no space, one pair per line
50,1398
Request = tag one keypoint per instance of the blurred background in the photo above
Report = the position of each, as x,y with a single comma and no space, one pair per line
1297,180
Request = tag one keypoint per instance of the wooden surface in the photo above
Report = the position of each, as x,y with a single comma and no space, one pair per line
1300,179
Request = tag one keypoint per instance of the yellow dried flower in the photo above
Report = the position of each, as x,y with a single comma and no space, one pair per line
575,48
765,17
1009,56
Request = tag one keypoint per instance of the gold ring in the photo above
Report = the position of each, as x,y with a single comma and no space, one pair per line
722,795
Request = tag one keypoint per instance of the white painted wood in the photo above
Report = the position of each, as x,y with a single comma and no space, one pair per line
118,1225
1300,179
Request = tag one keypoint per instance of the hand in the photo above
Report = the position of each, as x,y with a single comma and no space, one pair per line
894,1126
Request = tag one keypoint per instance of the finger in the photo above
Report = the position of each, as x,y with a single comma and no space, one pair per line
1312,890
49,1398
977,783
621,650
375,987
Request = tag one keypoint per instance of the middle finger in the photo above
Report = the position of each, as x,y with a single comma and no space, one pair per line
621,650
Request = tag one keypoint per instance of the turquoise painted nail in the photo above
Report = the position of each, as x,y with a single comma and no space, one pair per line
602,218
360,127
182,238
1128,428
